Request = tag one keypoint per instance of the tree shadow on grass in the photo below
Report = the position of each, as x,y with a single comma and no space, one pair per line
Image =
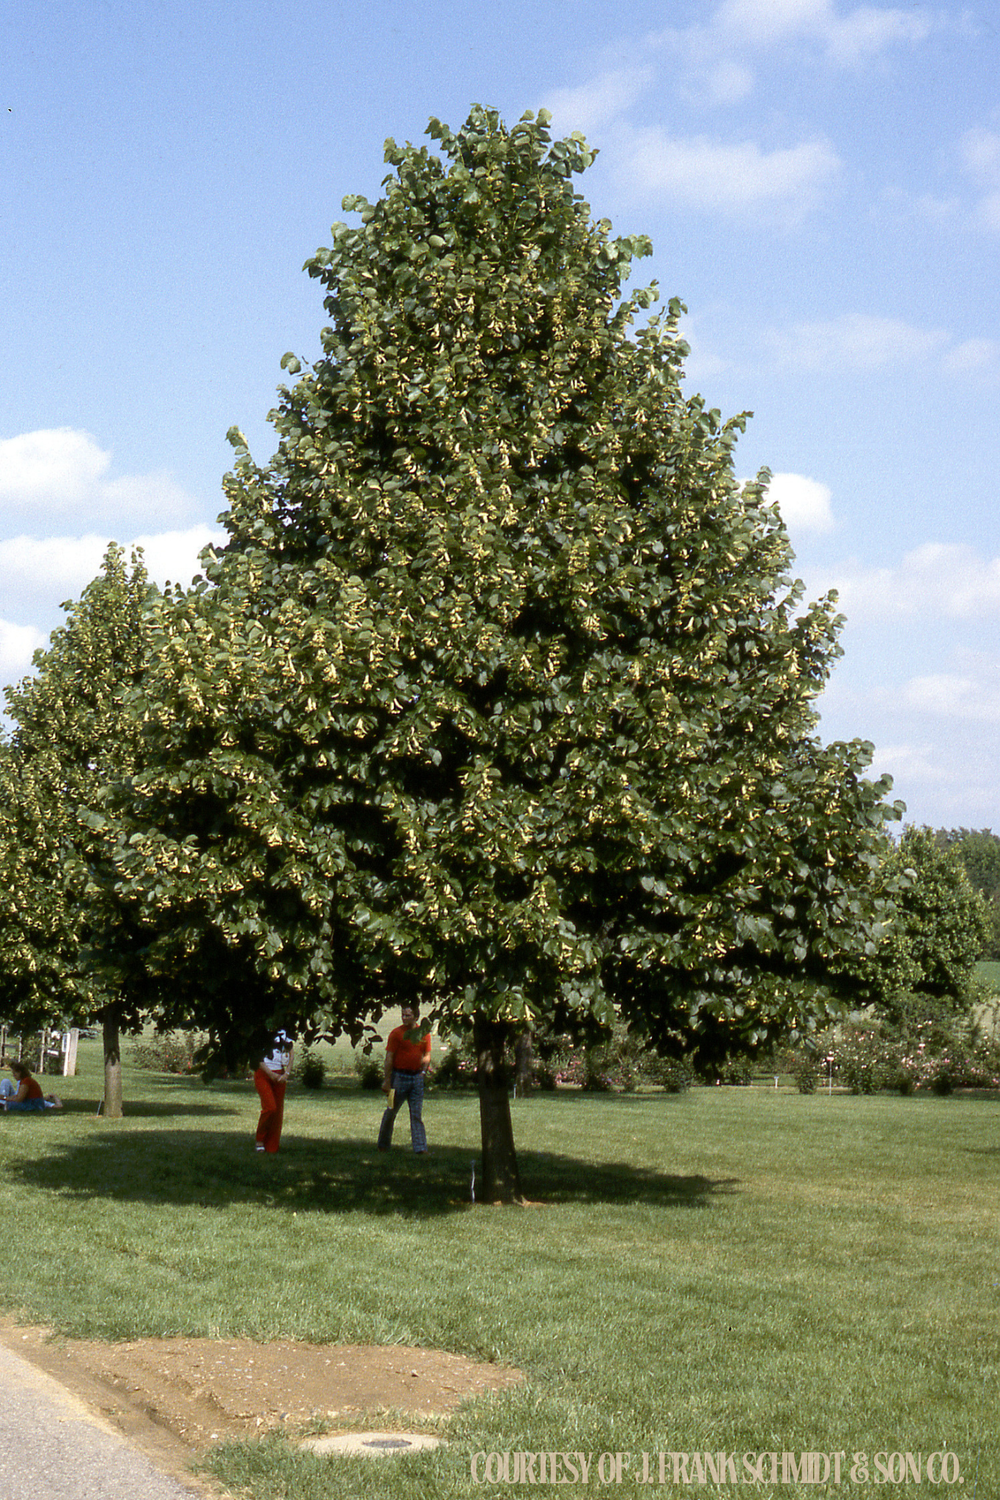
214,1170
145,1108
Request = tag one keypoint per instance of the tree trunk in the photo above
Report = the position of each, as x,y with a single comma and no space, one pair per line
112,1064
524,1057
501,1183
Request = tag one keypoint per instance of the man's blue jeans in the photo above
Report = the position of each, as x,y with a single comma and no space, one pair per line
408,1086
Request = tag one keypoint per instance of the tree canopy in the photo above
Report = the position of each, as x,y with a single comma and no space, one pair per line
502,692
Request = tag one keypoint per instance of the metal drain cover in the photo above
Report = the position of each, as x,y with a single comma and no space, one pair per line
374,1444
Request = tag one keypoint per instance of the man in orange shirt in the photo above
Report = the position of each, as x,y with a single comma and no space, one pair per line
407,1058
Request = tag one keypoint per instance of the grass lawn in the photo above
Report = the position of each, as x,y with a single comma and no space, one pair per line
989,971
724,1271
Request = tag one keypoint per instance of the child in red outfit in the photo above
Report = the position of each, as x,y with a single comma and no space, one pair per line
270,1080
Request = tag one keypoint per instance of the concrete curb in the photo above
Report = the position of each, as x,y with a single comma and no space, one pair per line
53,1444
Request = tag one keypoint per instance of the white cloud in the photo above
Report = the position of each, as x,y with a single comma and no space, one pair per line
923,206
61,474
739,178
714,66
723,82
714,56
857,341
973,357
594,105
51,468
979,153
51,570
53,478
701,364
18,644
869,30
39,575
946,768
988,210
846,39
172,556
863,342
938,580
936,735
709,71
947,779
915,763
804,503
946,695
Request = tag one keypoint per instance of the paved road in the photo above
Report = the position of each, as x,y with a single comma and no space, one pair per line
52,1445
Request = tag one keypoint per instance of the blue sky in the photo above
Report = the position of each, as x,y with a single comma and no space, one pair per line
821,182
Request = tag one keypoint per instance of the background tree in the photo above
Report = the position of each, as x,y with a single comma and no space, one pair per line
938,930
979,852
39,970
72,734
502,691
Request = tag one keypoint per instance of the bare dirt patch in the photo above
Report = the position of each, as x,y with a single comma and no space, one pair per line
178,1396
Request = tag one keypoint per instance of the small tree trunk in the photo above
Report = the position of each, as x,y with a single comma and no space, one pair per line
112,1064
501,1183
523,1059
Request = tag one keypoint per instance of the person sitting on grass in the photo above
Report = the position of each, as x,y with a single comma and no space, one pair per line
27,1095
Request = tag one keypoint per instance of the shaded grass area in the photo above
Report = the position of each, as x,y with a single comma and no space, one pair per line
735,1270
336,1177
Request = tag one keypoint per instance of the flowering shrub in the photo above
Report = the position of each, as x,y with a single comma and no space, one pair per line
581,1069
456,1068
805,1067
929,1047
958,1064
673,1074
369,1070
309,1070
865,1060
731,1070
621,1063
171,1052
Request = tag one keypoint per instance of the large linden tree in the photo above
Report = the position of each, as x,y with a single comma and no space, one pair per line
501,693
